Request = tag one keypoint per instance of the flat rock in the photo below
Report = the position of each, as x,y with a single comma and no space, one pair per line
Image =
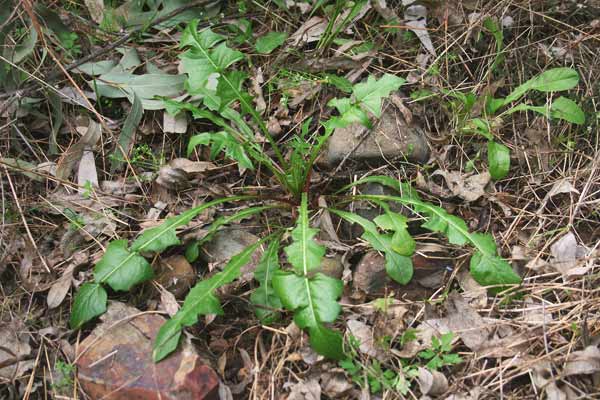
176,275
227,243
391,139
115,362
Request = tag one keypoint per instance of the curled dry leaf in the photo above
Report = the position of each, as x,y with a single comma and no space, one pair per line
15,351
415,17
566,253
306,390
60,288
469,187
175,124
561,186
310,31
586,361
432,382
364,334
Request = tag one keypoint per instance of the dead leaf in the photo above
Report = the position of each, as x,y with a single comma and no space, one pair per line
96,9
310,31
67,161
168,302
415,17
60,288
175,124
335,385
566,253
364,334
191,167
86,174
432,382
14,351
306,390
256,81
469,187
583,362
562,186
466,322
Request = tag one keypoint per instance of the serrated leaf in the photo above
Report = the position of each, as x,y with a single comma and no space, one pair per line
402,242
371,92
399,267
304,253
490,270
269,42
161,237
120,268
313,301
221,142
89,302
486,266
498,160
201,300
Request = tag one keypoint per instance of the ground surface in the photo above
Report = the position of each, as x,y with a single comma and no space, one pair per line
65,194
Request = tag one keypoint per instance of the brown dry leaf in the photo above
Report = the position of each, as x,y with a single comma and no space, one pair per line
364,334
75,152
175,124
96,9
415,17
562,186
256,80
86,173
191,167
466,322
586,361
473,292
469,187
566,253
432,382
306,390
14,351
335,384
168,302
310,31
60,288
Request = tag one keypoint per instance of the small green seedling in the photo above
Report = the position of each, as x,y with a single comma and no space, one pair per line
439,355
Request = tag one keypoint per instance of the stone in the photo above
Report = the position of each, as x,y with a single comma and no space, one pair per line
225,244
115,362
176,275
390,140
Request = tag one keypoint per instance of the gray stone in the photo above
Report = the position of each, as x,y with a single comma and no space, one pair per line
392,139
227,243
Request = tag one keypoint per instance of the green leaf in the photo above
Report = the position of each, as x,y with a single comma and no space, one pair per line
304,253
487,267
490,270
161,237
567,109
120,268
89,302
269,42
399,267
403,188
264,296
552,80
370,93
201,300
313,301
201,60
339,82
221,141
402,242
498,160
